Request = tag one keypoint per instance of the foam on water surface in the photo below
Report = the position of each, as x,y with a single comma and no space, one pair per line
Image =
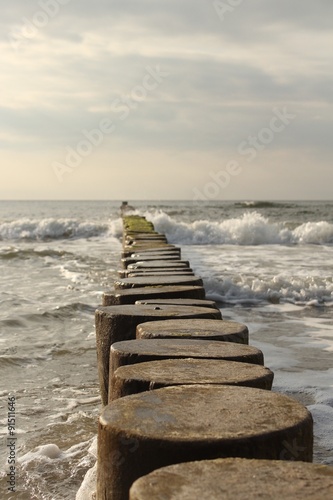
251,228
277,274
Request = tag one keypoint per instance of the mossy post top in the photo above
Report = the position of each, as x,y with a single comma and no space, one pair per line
137,224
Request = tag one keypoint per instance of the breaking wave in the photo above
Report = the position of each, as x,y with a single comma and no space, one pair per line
53,229
249,229
251,290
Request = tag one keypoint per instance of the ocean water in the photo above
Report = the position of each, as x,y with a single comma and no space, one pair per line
267,264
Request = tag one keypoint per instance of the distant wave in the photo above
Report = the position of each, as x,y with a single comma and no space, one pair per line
261,204
52,229
249,229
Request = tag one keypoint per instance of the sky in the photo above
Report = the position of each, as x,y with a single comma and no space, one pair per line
166,99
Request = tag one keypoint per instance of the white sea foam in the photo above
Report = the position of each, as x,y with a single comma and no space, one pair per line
51,228
51,452
88,487
42,453
251,228
312,292
115,228
314,233
283,268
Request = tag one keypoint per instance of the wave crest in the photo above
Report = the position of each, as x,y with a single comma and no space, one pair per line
50,229
250,229
281,288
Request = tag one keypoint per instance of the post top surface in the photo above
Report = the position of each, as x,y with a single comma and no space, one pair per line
204,412
192,327
185,348
230,478
158,311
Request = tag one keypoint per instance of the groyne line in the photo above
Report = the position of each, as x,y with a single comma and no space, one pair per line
183,391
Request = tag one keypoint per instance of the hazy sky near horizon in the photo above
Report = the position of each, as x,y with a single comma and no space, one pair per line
172,99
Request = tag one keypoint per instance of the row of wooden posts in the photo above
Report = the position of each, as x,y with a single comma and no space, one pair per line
188,411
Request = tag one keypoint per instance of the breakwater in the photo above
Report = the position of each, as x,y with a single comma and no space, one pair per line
208,402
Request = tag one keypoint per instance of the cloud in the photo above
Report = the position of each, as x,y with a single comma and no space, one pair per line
224,75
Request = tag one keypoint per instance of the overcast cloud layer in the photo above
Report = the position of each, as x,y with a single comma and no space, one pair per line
166,99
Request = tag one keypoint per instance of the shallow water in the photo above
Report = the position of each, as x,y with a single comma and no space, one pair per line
268,265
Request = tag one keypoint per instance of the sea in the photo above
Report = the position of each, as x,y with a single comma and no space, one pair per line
267,264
